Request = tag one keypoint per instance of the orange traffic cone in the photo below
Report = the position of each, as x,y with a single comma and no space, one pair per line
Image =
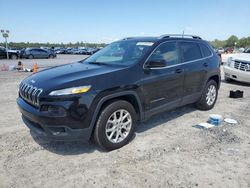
35,69
4,68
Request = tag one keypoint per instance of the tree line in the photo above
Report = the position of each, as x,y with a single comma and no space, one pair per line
232,41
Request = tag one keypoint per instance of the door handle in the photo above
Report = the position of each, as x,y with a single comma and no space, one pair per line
178,71
205,64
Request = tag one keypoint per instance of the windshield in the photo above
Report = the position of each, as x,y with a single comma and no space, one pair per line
120,53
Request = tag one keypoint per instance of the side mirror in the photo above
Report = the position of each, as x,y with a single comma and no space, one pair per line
156,64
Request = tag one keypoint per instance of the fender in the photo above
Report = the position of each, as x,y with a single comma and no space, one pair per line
214,73
112,96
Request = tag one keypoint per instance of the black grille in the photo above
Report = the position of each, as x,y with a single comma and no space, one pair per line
241,65
30,93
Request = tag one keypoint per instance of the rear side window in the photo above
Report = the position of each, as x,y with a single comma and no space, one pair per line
205,50
190,51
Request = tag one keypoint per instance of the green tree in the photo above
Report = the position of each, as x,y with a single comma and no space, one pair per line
231,41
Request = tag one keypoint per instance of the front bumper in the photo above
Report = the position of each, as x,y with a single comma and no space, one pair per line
236,74
53,127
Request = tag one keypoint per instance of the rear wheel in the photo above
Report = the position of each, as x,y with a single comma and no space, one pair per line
227,79
209,96
31,57
115,125
51,56
13,56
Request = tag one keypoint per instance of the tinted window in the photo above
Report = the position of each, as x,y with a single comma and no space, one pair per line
205,50
41,50
190,51
166,51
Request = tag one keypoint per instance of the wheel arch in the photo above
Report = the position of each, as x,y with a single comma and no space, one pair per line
216,78
129,96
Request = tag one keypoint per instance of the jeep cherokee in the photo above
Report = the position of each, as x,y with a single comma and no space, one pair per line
105,95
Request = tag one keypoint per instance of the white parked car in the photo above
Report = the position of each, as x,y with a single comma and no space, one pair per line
237,67
221,50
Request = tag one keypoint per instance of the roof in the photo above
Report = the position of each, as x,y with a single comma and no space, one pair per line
164,37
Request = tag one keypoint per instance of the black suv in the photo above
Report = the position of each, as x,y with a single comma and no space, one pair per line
13,54
128,81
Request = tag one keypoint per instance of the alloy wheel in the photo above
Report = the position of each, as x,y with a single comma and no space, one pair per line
118,126
211,95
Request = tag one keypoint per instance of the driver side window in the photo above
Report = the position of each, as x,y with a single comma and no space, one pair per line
167,52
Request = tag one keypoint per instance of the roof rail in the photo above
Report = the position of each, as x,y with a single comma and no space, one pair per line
179,35
127,38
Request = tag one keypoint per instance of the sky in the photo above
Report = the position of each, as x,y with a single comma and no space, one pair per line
57,21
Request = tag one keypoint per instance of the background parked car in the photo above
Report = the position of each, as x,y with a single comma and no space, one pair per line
61,51
91,51
13,54
229,50
237,67
221,50
31,53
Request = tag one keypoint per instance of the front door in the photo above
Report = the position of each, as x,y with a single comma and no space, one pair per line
163,87
2,53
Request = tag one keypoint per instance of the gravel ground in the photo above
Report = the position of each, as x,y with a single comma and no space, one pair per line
167,151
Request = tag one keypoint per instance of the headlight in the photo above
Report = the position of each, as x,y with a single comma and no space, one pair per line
69,91
229,61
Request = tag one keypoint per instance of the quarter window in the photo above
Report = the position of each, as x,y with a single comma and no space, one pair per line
166,51
190,51
205,50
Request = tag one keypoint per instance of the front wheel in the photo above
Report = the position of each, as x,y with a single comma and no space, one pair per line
115,125
209,96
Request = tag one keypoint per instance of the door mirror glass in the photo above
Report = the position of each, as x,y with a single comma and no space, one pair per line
156,63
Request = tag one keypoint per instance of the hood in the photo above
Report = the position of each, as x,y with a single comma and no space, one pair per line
242,57
70,75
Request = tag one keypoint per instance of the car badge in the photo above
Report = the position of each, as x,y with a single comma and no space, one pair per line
247,67
33,81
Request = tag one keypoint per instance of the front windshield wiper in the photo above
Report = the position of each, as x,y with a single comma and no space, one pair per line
97,63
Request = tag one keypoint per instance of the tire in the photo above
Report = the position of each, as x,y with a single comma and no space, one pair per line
209,96
51,56
13,56
109,140
30,57
227,79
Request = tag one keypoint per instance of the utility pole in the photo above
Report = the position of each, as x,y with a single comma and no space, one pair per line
5,34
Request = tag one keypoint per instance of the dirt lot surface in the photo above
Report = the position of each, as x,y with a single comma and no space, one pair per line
167,151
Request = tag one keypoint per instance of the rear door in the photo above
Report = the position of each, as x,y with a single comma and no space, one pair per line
162,86
195,67
44,53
